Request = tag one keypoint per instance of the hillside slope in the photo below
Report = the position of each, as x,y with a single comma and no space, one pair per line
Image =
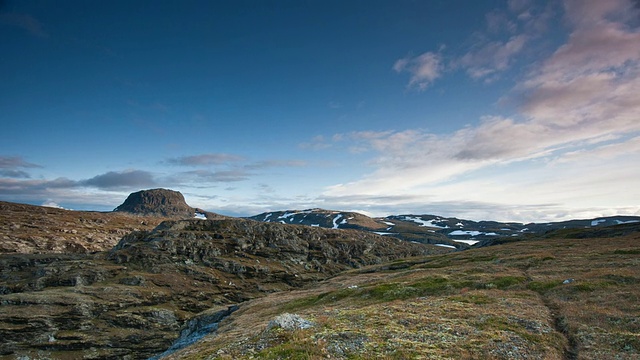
37,229
31,229
558,298
135,300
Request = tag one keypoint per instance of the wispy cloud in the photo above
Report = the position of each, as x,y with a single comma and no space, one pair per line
206,159
129,179
424,69
490,51
13,167
316,143
508,35
228,168
15,162
25,22
492,57
581,99
264,164
204,177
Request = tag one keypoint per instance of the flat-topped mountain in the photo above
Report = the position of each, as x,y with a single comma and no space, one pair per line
163,203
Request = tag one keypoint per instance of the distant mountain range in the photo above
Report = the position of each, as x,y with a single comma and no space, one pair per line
433,229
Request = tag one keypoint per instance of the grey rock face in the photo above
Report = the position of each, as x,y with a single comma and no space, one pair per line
288,321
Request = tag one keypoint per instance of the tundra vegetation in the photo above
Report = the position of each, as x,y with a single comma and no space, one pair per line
241,289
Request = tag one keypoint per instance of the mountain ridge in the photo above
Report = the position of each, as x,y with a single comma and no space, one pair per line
434,229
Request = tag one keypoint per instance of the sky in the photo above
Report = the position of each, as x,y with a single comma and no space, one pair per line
510,110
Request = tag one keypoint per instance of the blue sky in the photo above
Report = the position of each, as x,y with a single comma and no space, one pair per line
514,110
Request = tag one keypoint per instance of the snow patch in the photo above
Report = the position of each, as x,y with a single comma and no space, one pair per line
199,215
618,222
335,221
471,233
596,222
421,222
468,242
445,245
286,216
465,232
389,223
52,204
383,233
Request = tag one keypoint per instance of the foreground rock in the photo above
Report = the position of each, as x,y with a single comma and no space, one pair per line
134,301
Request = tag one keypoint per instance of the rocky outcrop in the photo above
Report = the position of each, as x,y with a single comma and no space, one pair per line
134,301
162,203
157,202
234,245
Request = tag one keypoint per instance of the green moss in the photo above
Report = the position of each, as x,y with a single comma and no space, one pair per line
292,351
436,264
542,286
507,281
498,323
591,286
473,299
481,258
425,287
627,252
324,298
627,342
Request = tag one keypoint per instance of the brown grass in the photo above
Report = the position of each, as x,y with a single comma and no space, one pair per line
30,229
502,302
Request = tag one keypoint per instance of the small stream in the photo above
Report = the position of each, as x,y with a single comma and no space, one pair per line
196,329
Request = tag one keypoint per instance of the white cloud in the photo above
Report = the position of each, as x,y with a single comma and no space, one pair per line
492,57
573,150
317,143
424,69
